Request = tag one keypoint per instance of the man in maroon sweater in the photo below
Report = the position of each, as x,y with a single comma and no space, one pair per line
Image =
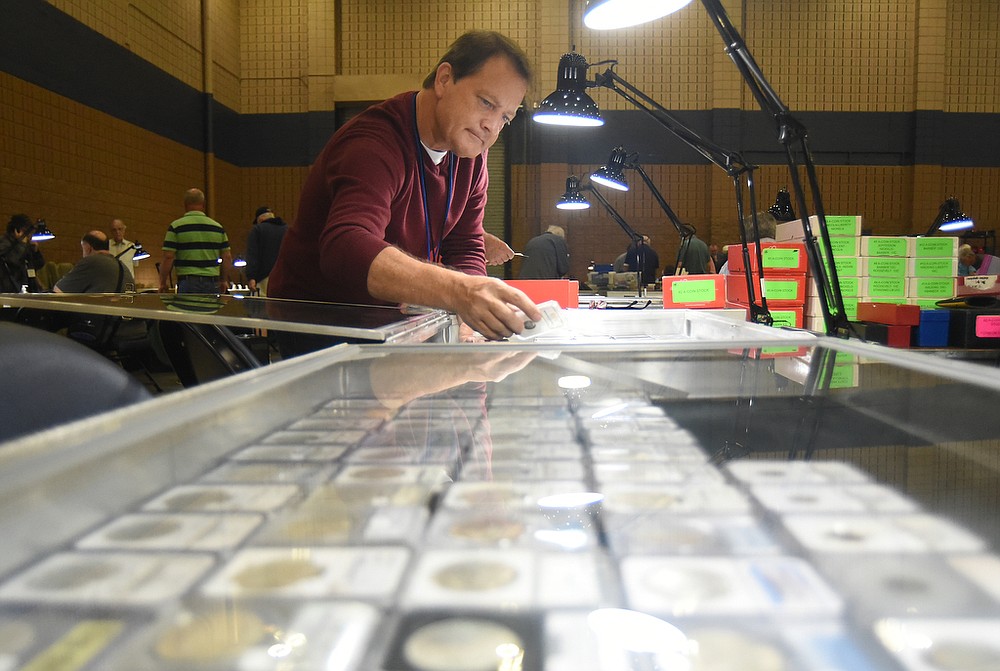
392,208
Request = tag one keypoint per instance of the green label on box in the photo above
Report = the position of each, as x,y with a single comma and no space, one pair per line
841,224
843,376
843,246
779,350
781,290
934,287
888,246
935,246
934,267
851,307
926,303
693,291
784,318
886,267
850,286
780,257
886,287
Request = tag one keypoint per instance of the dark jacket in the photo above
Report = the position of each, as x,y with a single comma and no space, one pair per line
16,257
263,244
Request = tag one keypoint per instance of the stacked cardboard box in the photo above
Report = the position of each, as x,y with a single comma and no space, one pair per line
783,284
845,241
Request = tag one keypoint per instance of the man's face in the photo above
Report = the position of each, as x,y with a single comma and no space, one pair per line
118,230
472,111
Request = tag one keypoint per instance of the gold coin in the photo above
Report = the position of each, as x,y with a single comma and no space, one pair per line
144,530
318,526
198,500
488,529
214,635
457,644
276,574
75,576
475,576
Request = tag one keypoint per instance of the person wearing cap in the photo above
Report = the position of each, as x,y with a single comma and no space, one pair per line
263,244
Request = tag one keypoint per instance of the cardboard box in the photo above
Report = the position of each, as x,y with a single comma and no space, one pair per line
931,287
923,247
694,291
843,247
780,290
883,288
889,313
850,287
974,328
884,245
564,292
814,308
847,266
836,226
777,257
882,266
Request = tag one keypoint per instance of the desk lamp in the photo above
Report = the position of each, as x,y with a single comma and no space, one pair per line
140,252
782,208
950,218
42,232
612,175
607,14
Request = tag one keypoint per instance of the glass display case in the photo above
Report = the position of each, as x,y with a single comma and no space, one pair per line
732,502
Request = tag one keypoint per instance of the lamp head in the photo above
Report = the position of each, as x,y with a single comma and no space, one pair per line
953,218
573,198
140,252
610,14
782,208
42,232
612,174
569,104
239,262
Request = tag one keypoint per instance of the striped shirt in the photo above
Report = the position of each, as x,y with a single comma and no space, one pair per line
197,242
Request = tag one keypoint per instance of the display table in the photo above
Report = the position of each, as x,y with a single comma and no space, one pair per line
748,499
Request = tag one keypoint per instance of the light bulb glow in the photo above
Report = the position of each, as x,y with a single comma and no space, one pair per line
611,14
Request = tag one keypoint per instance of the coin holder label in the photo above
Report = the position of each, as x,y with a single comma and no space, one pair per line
915,532
370,573
113,578
277,472
798,498
523,470
692,498
668,534
334,437
154,531
795,472
607,473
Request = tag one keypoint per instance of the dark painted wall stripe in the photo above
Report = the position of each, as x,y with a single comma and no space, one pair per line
50,49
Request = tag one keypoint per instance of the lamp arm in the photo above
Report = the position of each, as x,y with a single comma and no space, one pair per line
119,254
635,237
790,131
659,198
938,219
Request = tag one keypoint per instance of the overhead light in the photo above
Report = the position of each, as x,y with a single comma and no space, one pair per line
569,104
612,175
573,198
42,232
950,218
611,14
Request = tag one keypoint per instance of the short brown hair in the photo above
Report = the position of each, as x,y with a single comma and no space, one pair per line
468,53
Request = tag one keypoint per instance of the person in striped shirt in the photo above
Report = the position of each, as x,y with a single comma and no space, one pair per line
197,247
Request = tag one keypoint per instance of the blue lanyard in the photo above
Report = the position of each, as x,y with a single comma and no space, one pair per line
433,251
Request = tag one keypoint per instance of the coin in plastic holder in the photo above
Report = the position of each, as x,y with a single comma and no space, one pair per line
464,642
278,472
961,644
684,498
223,498
113,578
521,470
611,473
335,437
475,576
669,534
401,474
471,579
174,531
294,453
762,471
316,572
802,499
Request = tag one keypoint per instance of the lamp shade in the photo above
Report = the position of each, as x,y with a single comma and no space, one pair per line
569,104
140,252
612,175
611,14
573,198
950,218
239,262
782,208
42,232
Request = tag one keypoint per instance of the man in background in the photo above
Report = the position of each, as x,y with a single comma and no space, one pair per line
19,256
546,256
98,272
697,259
263,243
122,249
641,257
197,246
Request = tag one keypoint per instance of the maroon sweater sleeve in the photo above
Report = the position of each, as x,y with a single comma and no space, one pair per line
362,194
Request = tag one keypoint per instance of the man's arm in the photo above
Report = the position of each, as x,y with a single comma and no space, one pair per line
225,271
484,303
166,265
497,251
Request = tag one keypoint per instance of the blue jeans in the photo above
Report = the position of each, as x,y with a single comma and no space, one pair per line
197,284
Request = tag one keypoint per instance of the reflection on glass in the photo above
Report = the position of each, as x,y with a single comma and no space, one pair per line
628,639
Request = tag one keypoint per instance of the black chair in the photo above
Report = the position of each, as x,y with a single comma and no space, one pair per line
50,380
202,352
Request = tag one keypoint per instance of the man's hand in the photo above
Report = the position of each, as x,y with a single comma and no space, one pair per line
488,306
497,251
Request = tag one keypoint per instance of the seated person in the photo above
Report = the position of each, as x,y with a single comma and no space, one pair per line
96,272
967,261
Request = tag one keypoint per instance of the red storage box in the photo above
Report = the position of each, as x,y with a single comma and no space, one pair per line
564,292
782,290
779,258
694,291
889,313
